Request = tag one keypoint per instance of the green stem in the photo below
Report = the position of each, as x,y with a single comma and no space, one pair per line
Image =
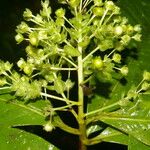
102,109
92,52
6,87
63,69
59,98
68,60
81,121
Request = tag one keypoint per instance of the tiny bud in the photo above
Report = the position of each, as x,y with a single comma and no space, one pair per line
22,28
145,86
60,12
97,63
3,81
27,14
125,39
48,127
124,70
98,2
33,38
118,30
109,5
38,18
74,3
98,11
116,58
137,37
146,75
137,28
19,38
21,63
28,69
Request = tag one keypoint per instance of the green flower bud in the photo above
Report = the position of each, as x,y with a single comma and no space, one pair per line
125,39
74,3
7,66
3,81
146,76
19,38
137,28
109,5
97,63
98,3
124,21
116,58
60,12
145,86
69,84
28,69
85,42
124,102
124,70
30,50
45,4
27,14
42,35
137,37
21,63
118,30
98,11
33,39
46,12
38,18
129,29
22,28
116,10
60,21
48,127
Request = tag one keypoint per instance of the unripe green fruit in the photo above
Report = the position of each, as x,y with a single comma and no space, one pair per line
146,76
109,5
145,86
97,63
118,30
48,127
124,70
74,3
98,2
116,58
60,12
33,39
98,11
28,69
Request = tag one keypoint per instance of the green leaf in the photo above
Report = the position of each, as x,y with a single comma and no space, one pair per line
71,51
15,113
114,136
111,135
15,139
135,144
137,126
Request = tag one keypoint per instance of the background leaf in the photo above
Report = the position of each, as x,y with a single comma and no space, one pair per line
16,113
15,139
134,144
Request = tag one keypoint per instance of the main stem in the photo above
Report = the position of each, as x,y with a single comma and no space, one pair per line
82,127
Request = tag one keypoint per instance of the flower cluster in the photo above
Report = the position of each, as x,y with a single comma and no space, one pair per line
54,44
134,93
